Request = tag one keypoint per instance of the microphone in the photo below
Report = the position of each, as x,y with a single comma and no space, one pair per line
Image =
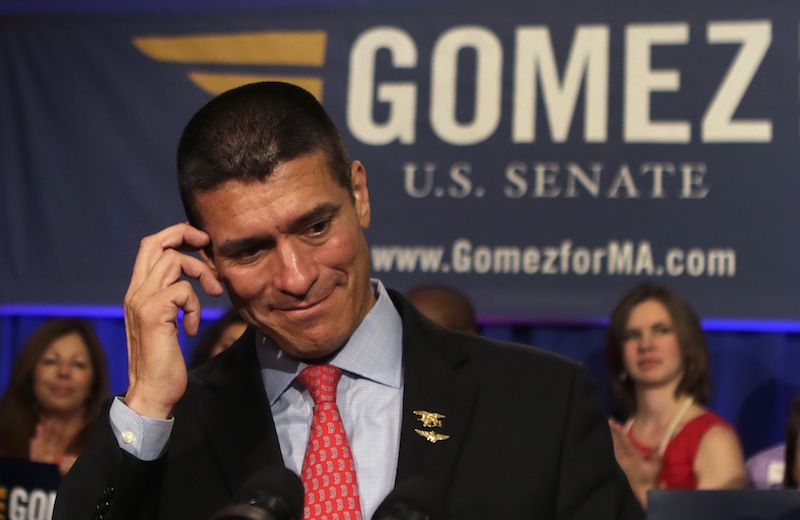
271,493
413,499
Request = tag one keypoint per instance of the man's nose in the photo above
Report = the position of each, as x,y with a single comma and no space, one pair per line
295,269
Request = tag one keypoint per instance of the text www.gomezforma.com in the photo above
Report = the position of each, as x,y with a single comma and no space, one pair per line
617,257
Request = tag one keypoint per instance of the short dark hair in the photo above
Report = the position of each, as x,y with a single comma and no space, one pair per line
691,339
244,133
455,307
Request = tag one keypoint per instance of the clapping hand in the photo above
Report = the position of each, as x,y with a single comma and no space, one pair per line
642,470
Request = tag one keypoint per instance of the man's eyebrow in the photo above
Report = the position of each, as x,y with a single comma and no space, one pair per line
321,211
235,245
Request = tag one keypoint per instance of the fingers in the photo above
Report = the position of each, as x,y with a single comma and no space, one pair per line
180,237
66,464
617,430
49,441
614,423
623,448
167,271
157,293
160,265
154,306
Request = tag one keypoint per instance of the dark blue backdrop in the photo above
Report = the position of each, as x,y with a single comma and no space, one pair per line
90,122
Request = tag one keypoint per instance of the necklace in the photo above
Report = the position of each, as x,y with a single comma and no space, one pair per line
662,445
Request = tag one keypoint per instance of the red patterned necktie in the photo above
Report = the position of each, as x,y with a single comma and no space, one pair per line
329,473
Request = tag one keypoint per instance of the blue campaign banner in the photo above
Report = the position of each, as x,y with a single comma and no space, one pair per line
543,158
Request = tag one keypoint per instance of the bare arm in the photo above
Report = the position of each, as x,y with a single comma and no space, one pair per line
719,463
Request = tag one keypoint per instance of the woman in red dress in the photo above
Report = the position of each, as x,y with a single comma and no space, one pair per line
657,352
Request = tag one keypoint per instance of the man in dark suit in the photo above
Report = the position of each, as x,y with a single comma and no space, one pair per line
278,211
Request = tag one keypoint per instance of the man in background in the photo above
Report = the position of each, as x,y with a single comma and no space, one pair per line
446,306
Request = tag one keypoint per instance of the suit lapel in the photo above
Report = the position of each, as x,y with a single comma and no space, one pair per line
432,384
235,414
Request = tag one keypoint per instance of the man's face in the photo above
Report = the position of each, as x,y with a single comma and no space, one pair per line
292,254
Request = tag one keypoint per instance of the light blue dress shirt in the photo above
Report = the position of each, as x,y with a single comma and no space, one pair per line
369,396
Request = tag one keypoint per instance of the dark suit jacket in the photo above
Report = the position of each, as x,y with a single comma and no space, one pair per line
527,437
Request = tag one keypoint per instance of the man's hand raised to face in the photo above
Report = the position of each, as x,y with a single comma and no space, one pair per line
157,292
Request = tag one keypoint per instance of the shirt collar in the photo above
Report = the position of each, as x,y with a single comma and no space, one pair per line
374,351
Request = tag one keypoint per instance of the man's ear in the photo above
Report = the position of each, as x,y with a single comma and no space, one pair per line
358,178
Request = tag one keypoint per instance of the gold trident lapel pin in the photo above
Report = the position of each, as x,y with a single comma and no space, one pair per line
432,436
430,419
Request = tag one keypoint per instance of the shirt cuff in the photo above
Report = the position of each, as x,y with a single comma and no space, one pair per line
143,437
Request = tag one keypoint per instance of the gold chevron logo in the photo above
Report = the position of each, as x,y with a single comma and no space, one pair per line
267,49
